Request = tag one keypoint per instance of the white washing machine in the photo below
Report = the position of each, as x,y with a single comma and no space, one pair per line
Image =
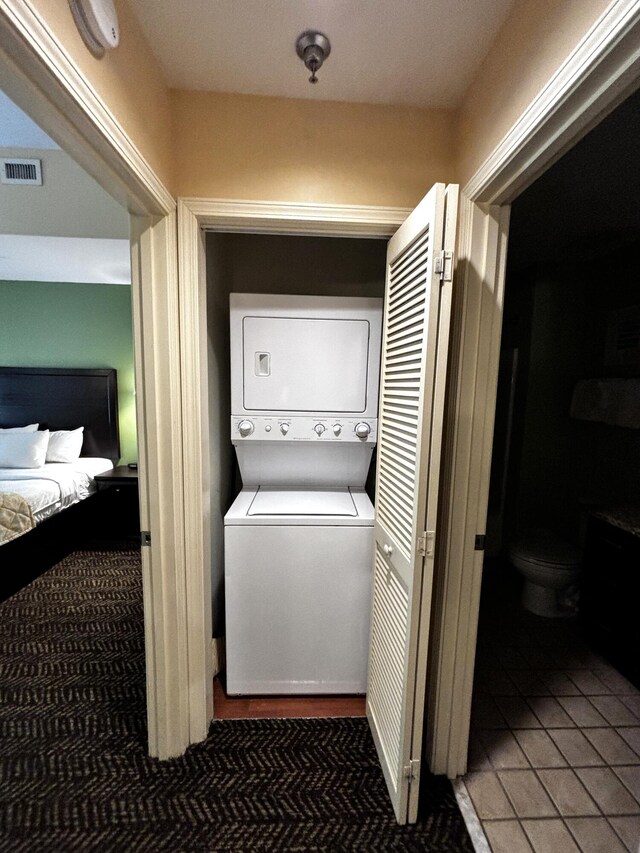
299,536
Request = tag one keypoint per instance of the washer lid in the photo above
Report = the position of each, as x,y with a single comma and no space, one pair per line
334,502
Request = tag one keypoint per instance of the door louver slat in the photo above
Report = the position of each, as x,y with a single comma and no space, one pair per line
401,448
410,299
412,305
400,461
397,448
412,256
388,632
404,474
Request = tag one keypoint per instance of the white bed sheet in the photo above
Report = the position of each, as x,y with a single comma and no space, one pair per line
56,485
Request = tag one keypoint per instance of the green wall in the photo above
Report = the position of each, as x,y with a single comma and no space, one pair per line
44,324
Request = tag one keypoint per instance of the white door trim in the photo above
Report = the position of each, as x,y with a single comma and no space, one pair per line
596,76
477,312
157,354
38,74
269,217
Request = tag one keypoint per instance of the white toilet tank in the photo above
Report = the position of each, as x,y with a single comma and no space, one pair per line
540,546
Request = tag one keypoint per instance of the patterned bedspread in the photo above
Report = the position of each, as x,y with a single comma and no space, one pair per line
16,517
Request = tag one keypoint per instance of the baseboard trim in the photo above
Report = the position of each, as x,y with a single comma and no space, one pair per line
470,817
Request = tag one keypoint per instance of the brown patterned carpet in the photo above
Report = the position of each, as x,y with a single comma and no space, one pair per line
74,774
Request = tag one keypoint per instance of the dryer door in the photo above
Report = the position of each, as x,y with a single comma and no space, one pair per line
290,364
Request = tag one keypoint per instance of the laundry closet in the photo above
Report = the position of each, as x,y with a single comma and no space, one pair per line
368,322
340,271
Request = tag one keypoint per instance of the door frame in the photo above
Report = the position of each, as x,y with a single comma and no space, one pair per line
602,70
37,73
196,217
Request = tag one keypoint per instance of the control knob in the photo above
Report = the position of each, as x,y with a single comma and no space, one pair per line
319,429
245,428
337,429
284,428
362,430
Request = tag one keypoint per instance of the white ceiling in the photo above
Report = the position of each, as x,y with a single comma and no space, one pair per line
68,229
62,259
17,130
411,52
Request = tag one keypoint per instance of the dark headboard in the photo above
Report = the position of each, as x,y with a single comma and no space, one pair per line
64,398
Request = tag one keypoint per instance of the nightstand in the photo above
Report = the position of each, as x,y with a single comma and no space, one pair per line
118,504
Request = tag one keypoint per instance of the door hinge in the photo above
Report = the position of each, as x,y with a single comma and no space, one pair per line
480,541
145,538
411,771
443,266
426,543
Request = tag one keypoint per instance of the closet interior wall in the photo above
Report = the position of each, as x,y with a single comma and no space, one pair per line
267,263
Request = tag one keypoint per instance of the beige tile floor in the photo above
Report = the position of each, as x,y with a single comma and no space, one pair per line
554,755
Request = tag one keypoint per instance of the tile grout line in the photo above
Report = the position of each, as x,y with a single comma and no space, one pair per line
585,685
470,817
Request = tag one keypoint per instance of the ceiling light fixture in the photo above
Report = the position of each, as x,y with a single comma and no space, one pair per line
313,48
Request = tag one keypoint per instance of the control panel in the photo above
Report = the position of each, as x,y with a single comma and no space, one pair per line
343,430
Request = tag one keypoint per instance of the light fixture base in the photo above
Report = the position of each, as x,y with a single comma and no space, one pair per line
313,48
311,38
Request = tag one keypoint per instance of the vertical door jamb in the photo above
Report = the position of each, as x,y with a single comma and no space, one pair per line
478,298
197,485
157,357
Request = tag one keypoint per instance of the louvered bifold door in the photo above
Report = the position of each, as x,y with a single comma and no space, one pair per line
412,384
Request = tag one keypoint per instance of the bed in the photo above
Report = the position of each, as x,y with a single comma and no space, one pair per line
50,502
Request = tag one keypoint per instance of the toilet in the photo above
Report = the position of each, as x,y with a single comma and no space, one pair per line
549,566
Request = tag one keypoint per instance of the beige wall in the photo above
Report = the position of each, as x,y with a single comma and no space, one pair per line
249,147
241,146
532,44
128,79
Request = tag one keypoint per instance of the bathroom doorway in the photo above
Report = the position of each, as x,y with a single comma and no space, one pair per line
555,733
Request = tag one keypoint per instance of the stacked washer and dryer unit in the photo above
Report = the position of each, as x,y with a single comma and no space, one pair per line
299,536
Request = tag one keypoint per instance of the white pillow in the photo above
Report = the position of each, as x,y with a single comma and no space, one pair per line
65,445
24,449
28,428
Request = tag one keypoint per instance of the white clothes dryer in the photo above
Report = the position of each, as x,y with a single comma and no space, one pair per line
299,537
298,591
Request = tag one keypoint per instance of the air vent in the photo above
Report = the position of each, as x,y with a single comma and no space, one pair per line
18,171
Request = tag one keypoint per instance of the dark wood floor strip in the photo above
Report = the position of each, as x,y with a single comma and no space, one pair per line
281,707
